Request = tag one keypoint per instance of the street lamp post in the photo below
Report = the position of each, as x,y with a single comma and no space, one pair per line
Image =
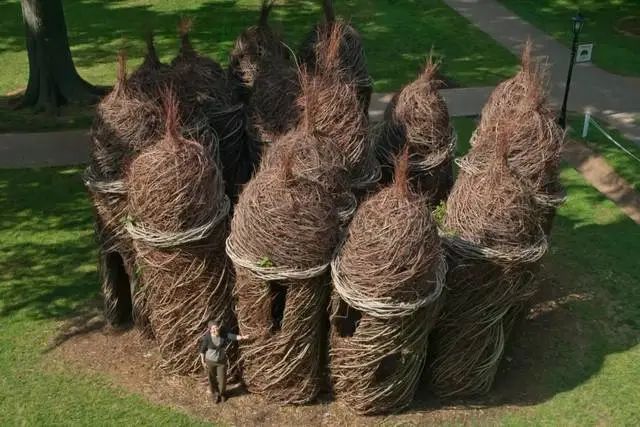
578,22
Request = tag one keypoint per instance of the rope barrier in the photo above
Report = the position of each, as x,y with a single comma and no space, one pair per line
585,130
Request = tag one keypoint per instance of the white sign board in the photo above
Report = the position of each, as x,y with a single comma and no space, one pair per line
584,52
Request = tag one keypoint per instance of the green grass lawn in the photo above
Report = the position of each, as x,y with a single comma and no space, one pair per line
584,368
398,36
626,166
464,128
47,254
25,120
613,51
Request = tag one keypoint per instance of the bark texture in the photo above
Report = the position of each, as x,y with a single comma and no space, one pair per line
53,79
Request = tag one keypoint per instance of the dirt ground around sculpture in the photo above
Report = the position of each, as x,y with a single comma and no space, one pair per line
131,362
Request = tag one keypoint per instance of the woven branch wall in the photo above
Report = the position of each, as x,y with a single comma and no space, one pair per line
283,233
388,280
178,222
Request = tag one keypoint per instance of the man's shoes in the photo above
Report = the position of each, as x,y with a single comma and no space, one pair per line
222,398
219,398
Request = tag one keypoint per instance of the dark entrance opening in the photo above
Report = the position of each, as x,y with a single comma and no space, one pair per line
387,367
346,319
278,302
116,289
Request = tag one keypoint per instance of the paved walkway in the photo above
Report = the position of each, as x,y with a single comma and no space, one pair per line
466,101
20,150
612,97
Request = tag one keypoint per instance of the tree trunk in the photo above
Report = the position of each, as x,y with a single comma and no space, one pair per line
53,79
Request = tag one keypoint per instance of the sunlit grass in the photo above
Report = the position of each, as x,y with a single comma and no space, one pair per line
398,37
613,50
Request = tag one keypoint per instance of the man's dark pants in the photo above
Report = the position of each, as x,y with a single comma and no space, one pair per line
217,376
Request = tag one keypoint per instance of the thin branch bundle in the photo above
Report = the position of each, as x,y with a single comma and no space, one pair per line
127,120
330,108
350,63
519,112
272,108
255,44
152,74
207,103
265,80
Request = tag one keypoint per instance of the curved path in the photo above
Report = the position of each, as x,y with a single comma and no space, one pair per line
20,150
612,97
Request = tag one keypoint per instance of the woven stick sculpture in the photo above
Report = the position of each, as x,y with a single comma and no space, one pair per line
152,74
285,227
127,120
418,118
494,241
529,82
260,62
178,222
253,45
519,112
278,154
330,108
388,279
205,97
272,108
351,63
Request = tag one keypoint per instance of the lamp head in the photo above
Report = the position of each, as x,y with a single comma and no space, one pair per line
578,22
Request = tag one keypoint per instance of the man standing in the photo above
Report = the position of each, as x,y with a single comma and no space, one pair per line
214,358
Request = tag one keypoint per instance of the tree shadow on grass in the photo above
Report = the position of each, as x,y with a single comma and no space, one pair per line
44,281
50,201
89,319
397,37
70,116
47,246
